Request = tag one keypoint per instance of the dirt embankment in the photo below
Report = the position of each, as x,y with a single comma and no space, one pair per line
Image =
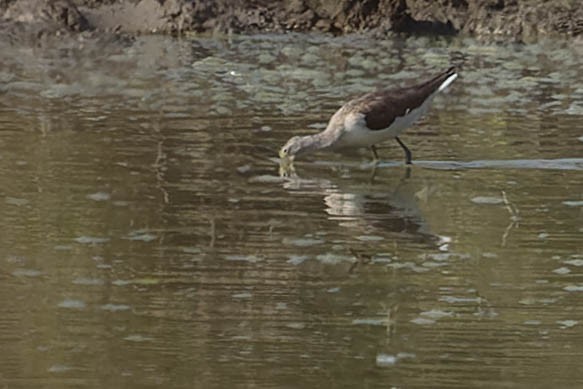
511,19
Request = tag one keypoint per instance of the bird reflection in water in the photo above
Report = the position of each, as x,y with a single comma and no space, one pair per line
379,210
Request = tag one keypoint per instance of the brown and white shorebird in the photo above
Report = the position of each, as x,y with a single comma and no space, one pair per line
372,118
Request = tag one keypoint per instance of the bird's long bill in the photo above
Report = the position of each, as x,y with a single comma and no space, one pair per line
286,167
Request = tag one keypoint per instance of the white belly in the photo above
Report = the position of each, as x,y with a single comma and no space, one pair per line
357,134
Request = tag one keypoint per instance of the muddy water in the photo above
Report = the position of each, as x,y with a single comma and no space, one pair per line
146,239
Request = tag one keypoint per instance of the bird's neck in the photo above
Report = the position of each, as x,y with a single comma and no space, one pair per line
311,143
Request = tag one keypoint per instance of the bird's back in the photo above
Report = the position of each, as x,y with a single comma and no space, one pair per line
381,108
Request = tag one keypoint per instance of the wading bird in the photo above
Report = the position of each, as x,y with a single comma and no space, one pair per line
372,118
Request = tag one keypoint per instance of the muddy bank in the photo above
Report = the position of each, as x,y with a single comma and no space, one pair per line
509,19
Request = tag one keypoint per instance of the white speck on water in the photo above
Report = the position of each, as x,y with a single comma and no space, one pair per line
99,196
432,264
574,109
420,269
141,235
72,304
423,321
317,126
59,369
382,259
243,258
370,322
333,290
191,250
528,301
543,235
404,355
333,259
573,288
297,259
402,265
487,200
267,179
562,270
370,238
87,281
16,201
63,247
574,262
532,322
137,338
386,360
115,307
223,111
91,240
573,203
440,257
303,242
296,325
453,299
243,295
26,273
444,247
567,323
436,314
244,169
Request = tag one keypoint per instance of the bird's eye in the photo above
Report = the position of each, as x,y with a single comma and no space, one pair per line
285,150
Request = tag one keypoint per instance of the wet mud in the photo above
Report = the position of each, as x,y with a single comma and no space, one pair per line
515,20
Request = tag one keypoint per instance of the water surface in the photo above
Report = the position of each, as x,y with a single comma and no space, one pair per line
147,240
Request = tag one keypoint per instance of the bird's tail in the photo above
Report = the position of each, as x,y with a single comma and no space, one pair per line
448,77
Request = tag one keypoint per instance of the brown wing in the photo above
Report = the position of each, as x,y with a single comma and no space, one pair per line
383,107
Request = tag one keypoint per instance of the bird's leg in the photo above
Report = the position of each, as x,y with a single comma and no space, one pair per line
408,156
373,174
373,148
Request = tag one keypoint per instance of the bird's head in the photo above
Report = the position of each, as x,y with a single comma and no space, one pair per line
291,148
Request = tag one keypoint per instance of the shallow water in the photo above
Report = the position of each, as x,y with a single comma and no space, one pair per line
147,240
